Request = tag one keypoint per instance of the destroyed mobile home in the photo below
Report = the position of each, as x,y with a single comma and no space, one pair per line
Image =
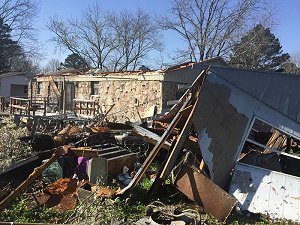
231,141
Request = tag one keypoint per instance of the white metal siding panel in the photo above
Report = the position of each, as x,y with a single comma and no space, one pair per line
264,191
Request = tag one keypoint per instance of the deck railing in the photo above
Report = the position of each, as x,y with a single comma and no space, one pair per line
85,107
27,106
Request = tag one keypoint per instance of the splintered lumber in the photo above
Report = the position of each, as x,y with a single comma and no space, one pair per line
54,87
149,136
153,153
31,178
168,166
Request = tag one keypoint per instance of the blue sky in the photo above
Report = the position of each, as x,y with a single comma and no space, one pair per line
287,18
288,28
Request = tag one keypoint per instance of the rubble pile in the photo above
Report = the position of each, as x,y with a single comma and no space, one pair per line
204,149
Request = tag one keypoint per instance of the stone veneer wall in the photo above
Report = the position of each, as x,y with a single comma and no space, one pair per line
132,98
43,90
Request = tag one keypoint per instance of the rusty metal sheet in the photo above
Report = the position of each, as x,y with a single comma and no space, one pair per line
60,195
62,186
59,202
200,189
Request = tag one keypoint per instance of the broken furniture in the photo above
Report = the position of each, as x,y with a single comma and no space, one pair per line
86,107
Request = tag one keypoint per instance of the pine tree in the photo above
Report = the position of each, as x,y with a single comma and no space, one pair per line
8,48
259,49
75,61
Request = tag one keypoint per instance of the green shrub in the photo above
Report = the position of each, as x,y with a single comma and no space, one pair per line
11,147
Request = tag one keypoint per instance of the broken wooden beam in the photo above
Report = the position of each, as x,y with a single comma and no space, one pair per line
169,165
31,178
149,136
153,153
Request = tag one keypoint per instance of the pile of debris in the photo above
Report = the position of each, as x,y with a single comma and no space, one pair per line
207,155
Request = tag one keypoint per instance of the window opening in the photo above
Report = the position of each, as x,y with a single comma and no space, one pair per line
270,148
94,88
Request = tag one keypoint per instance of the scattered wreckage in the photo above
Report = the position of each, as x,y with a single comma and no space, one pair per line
231,140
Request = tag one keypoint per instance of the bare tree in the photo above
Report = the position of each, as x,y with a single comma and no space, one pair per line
135,36
209,26
295,58
19,15
52,66
108,41
89,37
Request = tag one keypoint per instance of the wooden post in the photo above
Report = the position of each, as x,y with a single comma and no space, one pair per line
64,97
10,106
31,89
29,107
45,106
80,106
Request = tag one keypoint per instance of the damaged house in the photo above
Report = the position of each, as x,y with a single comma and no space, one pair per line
124,96
248,133
245,125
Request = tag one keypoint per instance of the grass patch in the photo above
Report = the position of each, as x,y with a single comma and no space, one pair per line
18,212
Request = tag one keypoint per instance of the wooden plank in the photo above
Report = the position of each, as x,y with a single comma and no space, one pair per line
149,136
168,166
54,87
153,153
35,174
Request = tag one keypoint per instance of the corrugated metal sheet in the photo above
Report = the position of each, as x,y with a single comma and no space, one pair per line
268,192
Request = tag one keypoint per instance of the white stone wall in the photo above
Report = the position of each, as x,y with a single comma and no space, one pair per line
132,98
